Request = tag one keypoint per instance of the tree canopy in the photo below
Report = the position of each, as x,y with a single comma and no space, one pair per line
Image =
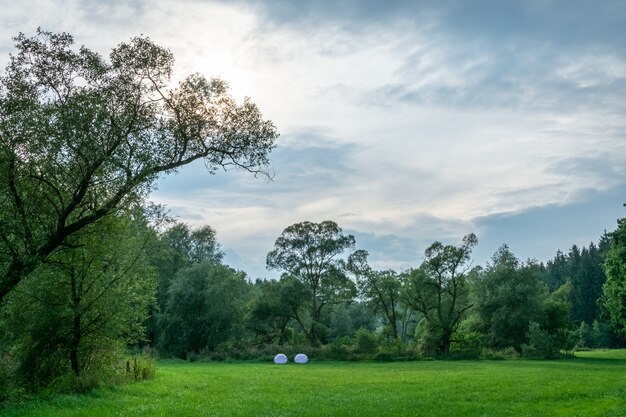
509,296
614,298
310,252
82,137
439,290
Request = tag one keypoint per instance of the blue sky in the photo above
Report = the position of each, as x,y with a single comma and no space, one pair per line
404,121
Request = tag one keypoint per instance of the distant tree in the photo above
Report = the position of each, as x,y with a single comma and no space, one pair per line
340,322
557,271
310,252
553,332
274,305
582,268
179,247
362,315
383,291
205,308
439,291
81,138
614,290
587,277
509,296
79,311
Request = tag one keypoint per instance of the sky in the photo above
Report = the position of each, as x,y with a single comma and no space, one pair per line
405,122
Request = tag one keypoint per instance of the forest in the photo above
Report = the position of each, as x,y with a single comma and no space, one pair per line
96,282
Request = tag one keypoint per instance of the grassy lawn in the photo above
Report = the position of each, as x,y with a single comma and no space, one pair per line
594,384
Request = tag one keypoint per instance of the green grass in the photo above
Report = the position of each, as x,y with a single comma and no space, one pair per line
592,385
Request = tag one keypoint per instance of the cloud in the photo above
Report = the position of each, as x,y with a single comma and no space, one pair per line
538,232
405,121
569,24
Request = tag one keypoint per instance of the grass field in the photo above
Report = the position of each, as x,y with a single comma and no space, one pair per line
594,384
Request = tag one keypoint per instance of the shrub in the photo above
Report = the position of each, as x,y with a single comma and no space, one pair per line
541,344
366,341
584,337
77,384
506,353
140,367
5,380
384,357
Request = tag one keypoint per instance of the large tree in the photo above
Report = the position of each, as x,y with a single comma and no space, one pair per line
439,291
382,291
79,310
81,137
205,308
171,251
509,296
614,298
311,252
274,305
179,247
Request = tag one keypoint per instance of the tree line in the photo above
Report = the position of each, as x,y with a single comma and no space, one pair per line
328,295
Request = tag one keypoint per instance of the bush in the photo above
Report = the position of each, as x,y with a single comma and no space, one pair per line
340,348
502,354
541,344
140,367
366,341
384,357
5,380
76,384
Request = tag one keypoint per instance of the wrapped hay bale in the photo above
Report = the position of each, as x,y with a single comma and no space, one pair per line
301,358
280,359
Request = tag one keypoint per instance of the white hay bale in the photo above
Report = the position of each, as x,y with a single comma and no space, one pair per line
301,358
280,359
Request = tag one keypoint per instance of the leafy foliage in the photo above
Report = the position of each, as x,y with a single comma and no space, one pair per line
81,137
273,306
75,313
204,309
383,292
310,253
509,297
614,299
439,291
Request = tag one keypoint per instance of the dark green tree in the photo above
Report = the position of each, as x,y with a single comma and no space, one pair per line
179,247
205,308
77,312
382,291
439,291
176,248
614,290
556,271
582,268
82,137
587,277
509,296
310,252
553,331
274,305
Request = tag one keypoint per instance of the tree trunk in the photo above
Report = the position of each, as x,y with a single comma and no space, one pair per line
76,325
76,336
446,340
313,336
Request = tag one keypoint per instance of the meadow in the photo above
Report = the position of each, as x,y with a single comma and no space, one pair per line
592,384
